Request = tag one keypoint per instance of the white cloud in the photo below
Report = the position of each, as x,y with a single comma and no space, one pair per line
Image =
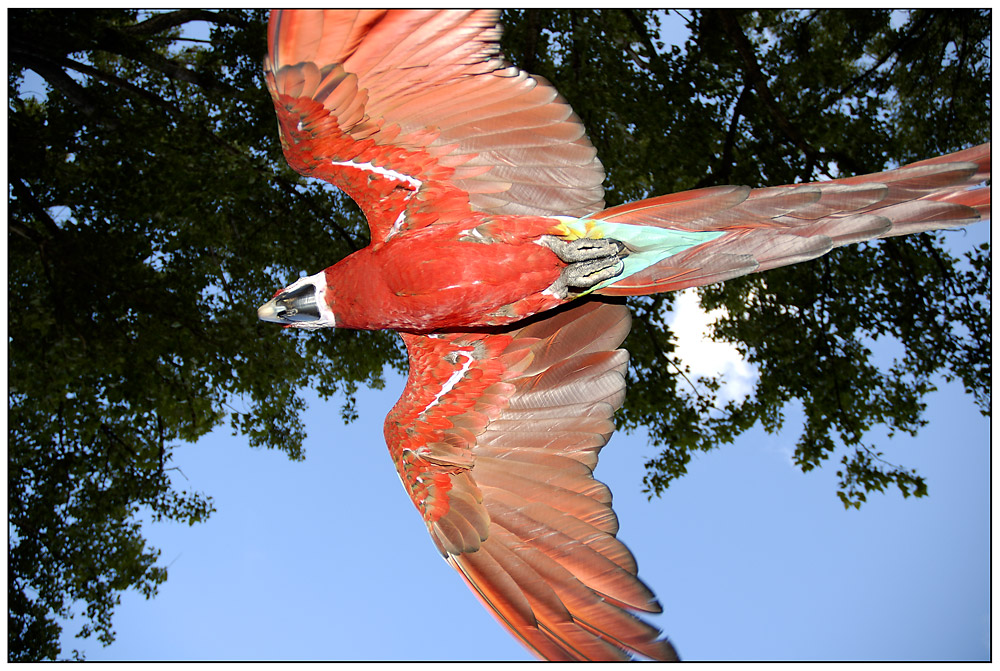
705,356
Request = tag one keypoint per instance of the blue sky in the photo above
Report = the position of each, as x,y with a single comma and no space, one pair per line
751,559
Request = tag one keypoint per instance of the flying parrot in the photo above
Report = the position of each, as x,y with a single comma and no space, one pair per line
490,249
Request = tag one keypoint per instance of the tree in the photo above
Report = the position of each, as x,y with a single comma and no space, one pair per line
151,211
137,285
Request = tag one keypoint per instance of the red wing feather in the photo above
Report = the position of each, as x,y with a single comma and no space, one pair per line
495,438
422,100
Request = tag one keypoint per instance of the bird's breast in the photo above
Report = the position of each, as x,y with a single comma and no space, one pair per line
429,281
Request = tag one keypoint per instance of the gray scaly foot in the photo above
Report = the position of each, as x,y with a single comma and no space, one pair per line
589,262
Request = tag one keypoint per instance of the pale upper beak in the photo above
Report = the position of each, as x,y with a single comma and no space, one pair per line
268,312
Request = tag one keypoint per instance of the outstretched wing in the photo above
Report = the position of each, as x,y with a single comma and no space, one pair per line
495,438
777,226
405,107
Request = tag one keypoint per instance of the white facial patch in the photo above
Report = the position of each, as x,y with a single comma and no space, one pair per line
318,282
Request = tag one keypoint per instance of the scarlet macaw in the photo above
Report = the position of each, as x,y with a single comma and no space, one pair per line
485,203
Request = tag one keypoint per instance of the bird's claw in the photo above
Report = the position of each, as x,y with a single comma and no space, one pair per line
588,263
586,274
583,249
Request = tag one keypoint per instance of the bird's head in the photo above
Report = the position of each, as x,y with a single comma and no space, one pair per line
301,304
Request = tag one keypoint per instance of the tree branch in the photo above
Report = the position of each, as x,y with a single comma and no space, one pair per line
894,51
651,334
726,160
23,192
55,76
640,29
756,78
123,44
529,54
161,21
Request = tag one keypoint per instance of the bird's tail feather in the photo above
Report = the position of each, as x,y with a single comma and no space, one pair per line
709,235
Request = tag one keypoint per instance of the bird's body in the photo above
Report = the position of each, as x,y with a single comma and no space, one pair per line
438,277
488,229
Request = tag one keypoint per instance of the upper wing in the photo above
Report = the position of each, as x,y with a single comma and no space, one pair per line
777,226
495,438
392,105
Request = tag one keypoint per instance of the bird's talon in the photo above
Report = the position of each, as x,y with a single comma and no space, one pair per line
589,262
583,249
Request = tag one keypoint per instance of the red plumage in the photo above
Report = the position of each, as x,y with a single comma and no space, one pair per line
476,179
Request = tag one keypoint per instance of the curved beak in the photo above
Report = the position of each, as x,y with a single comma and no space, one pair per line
291,306
268,312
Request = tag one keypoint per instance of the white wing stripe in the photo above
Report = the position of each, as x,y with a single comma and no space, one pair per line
453,380
378,170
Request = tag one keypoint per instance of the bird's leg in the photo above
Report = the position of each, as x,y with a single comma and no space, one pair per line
589,262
